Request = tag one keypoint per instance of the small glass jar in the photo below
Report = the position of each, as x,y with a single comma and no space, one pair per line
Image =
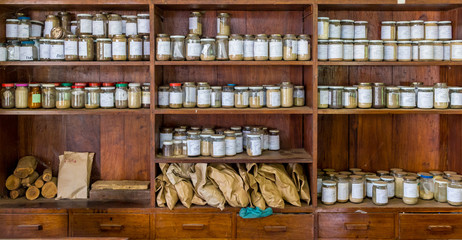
376,50
404,52
348,29
8,95
208,52
166,134
48,96
230,143
388,31
260,48
44,51
63,97
380,193
361,28
378,95
303,47
350,97
134,95
323,28
35,96
329,192
364,95
392,97
114,25
431,30
206,145
335,97
218,145
189,95
438,51
215,97
100,26
21,95
195,23
403,31
227,96
119,48
335,29
143,24
236,48
193,47
426,50
24,28
71,52
256,97
323,96
407,97
410,190
343,188
323,50
369,181
348,50
299,96
86,48
273,140
287,94
146,95
446,50
390,51
11,29
273,96
249,41
85,24
455,94
106,99
193,142
203,95
222,48
456,50
74,27
275,47
425,97
163,97
92,97
335,50
444,30
167,149
28,51
177,148
417,30
441,96
361,50
223,24
103,49
241,97
175,96
56,49
415,51
121,95
163,51
146,48
135,48
254,145
290,48
440,190
390,181
356,189
454,191
52,21
426,186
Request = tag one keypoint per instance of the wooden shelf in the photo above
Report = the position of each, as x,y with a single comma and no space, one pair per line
42,203
236,5
288,208
294,110
284,156
98,111
233,63
433,63
390,111
75,63
387,5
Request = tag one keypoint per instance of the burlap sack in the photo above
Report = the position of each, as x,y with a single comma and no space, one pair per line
183,186
283,181
300,180
205,188
74,175
230,184
171,197
250,185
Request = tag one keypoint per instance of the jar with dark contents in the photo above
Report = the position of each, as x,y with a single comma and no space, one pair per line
7,93
119,48
135,48
103,49
35,96
48,96
77,97
65,19
50,22
114,25
86,48
99,26
163,50
379,95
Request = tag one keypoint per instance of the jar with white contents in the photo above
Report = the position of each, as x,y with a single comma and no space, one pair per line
254,146
390,181
415,51
356,189
376,50
404,51
323,48
230,143
361,28
425,97
335,50
218,145
193,142
329,192
410,190
446,50
364,95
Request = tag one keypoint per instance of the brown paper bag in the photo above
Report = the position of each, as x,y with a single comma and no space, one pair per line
160,191
74,175
205,188
250,185
270,192
283,181
300,180
171,197
183,186
230,184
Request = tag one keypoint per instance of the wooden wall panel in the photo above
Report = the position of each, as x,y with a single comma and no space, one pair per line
136,160
8,148
333,145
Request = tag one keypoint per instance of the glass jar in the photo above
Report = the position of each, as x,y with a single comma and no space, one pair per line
425,97
335,29
241,97
48,96
103,49
426,50
444,30
303,47
85,24
3,52
218,145
415,51
361,50
348,50
441,99
21,95
146,95
390,181
376,50
24,28
65,19
143,24
369,181
222,48
335,97
175,96
146,48
227,96
404,52
343,188
27,51
236,48
446,50
299,96
193,47
208,52
86,48
348,29
426,186
361,28
195,23
206,145
380,193
448,174
350,97
230,143
193,142
357,189
92,97
254,145
455,94
438,51
403,31
407,97
261,47
323,96
410,190
456,50
248,47
388,31
203,95
392,97
135,48
329,192
119,48
379,95
99,26
63,97
431,30
163,97
440,190
56,49
44,49
323,28
215,97
287,94
114,25
11,29
167,149
35,96
71,52
335,50
223,24
275,47
163,51
256,97
390,51
166,134
74,25
107,97
8,98
134,95
273,97
290,48
189,95
121,95
364,95
178,148
53,22
273,140
323,50
454,191
417,30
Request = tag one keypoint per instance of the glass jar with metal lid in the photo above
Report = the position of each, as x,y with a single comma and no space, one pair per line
163,51
350,97
227,96
343,188
426,50
86,48
222,48
348,50
455,94
303,47
236,47
24,28
254,146
407,97
410,190
369,181
376,50
44,51
417,30
361,28
335,29
388,31
275,47
404,51
248,47
175,96
390,181
99,26
63,97
348,29
135,48
403,31
329,192
380,193
48,96
425,97
195,23
203,95
357,189
35,96
21,94
364,95
390,50
163,96
193,142
287,94
438,51
392,97
206,144
28,51
273,140
11,29
208,52
85,24
71,52
7,95
335,97
241,97
426,186
454,191
261,47
215,96
189,95
323,50
361,50
56,49
168,149
335,50
379,95
129,25
119,48
441,96
65,18
121,95
193,47
114,25
444,30
273,96
92,97
103,49
134,95
230,143
218,145
299,96
256,97
53,22
431,30
456,50
143,24
223,24
323,96
323,28
290,47
107,97
146,48
440,190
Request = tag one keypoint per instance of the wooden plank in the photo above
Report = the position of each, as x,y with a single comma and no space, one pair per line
31,112
120,195
293,110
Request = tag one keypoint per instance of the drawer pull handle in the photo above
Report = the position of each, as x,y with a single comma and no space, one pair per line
440,228
32,227
111,227
193,226
275,228
356,226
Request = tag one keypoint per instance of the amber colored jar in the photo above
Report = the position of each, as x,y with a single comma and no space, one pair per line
50,22
135,48
35,96
119,48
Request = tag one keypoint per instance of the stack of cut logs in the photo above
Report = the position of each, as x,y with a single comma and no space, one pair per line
26,181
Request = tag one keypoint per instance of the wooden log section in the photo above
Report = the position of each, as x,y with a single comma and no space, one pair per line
12,182
26,166
50,189
32,193
47,175
17,193
28,181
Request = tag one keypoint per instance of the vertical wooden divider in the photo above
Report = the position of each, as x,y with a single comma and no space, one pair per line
153,89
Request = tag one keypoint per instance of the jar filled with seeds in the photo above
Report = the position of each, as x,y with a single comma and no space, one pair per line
193,47
260,47
290,48
364,95
350,97
163,51
248,47
299,96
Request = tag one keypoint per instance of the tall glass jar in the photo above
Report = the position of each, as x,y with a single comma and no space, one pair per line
193,47
364,95
441,99
92,97
335,29
248,47
48,96
163,96
134,95
208,52
431,30
146,95
329,192
390,52
287,94
410,190
440,190
343,188
121,95
74,27
114,25
56,49
135,48
455,94
454,191
175,96
241,97
380,193
388,31
35,96
390,181
273,97
236,47
323,28
438,51
426,50
404,52
303,47
193,144
223,24
403,31
350,97
85,24
195,23
44,51
299,96
290,48
27,51
163,51
11,29
227,97
254,145
189,95
86,48
203,95
260,47
166,134
425,97
392,100
71,52
256,97
146,48
230,143
417,30
348,50
356,189
218,145
323,50
376,50
379,95
99,26
206,144
215,97
143,24
336,97
399,183
361,50
335,51
7,95
103,49
275,47
369,181
407,97
444,30
348,29
21,95
361,28
52,22
222,48
426,186
24,28
119,48
323,96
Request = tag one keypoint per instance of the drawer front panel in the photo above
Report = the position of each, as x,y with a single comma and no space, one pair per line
434,226
277,226
33,225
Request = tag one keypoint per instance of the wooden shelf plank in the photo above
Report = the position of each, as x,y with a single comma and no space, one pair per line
236,5
294,110
98,111
233,63
288,208
75,63
298,155
73,2
42,203
433,63
390,111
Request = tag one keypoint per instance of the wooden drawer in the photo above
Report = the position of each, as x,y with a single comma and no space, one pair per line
33,225
356,225
133,226
433,226
277,226
191,225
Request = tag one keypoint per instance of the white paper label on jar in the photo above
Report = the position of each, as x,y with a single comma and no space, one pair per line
255,147
322,51
131,29
275,99
265,142
47,29
98,27
319,186
275,49
36,30
391,189
227,99
165,137
455,194
245,97
343,191
456,51
369,189
273,142
230,145
456,98
425,52
203,97
194,49
431,32
438,53
360,32
45,51
176,98
12,30
3,54
348,52
404,52
389,52
248,48
163,48
124,26
261,95
294,45
136,48
376,52
73,29
359,52
444,32
162,98
70,48
335,51
143,25
119,49
82,49
106,99
56,52
236,48
335,31
365,96
417,32
121,95
194,147
16,53
415,53
447,52
25,54
23,31
329,195
407,99
320,28
404,32
85,26
107,50
381,196
348,31
386,32
357,190
260,49
192,23
146,49
145,97
441,95
324,97
410,190
425,99
218,148
115,27
302,47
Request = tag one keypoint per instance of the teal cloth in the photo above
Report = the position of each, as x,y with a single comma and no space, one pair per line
256,212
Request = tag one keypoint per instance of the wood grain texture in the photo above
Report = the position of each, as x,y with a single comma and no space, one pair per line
33,225
434,226
283,226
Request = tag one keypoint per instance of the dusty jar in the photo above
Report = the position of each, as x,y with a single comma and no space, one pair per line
175,96
273,140
388,30
446,50
275,47
163,96
261,47
361,28
53,22
350,97
178,51
222,48
415,51
364,95
114,25
119,48
323,50
11,29
335,50
85,24
195,23
203,95
290,47
303,48
7,95
143,24
208,52
440,190
249,47
404,52
425,97
417,30
189,94
369,181
348,29
227,96
438,51
444,30
48,96
392,97
103,49
441,96
254,145
454,191
407,97
343,188
323,96
256,97
86,48
193,47
135,48
323,28
329,192
99,26
357,189
163,51
56,49
24,28
403,31
287,94
455,94
380,193
376,50
361,50
236,48
410,190
431,30
27,51
71,52
44,51
335,29
230,143
390,181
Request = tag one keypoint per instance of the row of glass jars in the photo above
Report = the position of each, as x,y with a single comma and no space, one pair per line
203,95
223,23
223,142
72,48
66,95
234,48
355,185
378,50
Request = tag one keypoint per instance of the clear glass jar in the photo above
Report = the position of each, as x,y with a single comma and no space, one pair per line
390,51
56,49
361,29
392,97
425,97
273,140
85,24
103,49
218,145
356,189
444,30
163,51
227,96
456,50
390,181
404,52
119,48
92,97
175,96
193,47
53,22
275,47
335,97
166,134
438,51
254,145
193,144
114,25
77,97
63,97
273,97
135,48
323,96
454,191
426,50
35,96
388,31
71,52
335,50
446,50
440,190
74,27
215,97
335,29
323,28
3,52
121,95
343,188
415,51
323,50
256,97
287,94
143,24
195,23
364,95
410,190
290,48
350,97
431,30
376,50
11,29
361,50
86,48
230,143
163,96
107,97
222,48
203,95
417,30
348,29
167,149
28,51
100,26
455,94
24,28
379,95
48,96
65,19
134,95
441,98
407,97
241,97
178,148
380,193
146,95
223,24
303,47
348,50
13,50
8,95
426,186
239,142
403,31
206,144
299,96
146,48
260,47
236,48
208,52
189,95
329,192
44,49
249,41
369,181
21,95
